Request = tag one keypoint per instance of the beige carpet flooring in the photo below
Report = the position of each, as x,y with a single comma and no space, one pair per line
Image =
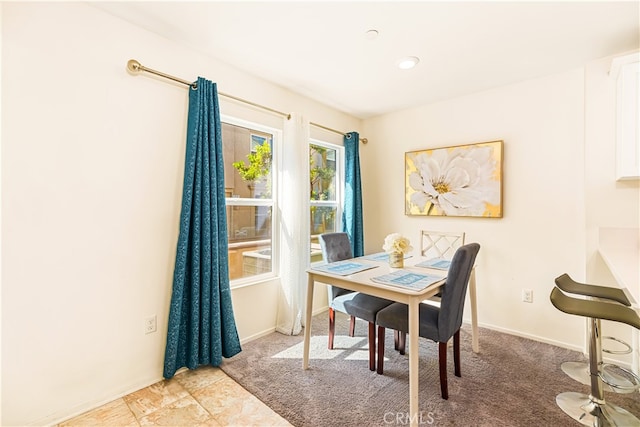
512,381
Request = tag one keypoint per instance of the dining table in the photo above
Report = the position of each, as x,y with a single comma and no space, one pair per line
367,279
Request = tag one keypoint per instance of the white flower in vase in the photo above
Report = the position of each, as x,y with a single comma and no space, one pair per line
396,242
396,245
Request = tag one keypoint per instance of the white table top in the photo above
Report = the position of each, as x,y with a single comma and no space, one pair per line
382,268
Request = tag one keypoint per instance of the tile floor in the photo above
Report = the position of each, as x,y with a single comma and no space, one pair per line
203,397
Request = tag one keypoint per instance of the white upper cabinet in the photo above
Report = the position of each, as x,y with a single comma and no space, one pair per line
626,70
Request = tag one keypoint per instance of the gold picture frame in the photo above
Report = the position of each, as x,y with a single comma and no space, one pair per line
461,180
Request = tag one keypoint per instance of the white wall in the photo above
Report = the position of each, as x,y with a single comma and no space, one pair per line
609,203
541,234
92,163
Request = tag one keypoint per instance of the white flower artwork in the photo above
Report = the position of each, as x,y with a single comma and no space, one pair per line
455,181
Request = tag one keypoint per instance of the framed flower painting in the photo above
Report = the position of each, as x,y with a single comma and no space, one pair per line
464,180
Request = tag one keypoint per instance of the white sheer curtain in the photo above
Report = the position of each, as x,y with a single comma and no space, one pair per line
294,229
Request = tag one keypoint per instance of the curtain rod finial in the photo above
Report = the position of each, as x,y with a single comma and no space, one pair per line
364,140
134,66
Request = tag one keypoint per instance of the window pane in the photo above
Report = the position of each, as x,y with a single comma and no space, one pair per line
247,155
247,174
326,182
323,219
322,168
250,242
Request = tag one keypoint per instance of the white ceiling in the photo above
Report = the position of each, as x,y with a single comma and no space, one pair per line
319,49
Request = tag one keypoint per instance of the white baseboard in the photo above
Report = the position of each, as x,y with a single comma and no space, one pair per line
528,336
257,335
581,350
273,329
61,416
320,310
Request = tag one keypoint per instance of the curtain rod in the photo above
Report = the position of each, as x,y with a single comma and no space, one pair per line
136,67
363,140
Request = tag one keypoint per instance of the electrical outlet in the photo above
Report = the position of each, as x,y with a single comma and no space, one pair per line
150,324
527,295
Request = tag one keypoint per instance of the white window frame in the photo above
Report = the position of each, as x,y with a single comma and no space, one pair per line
276,146
340,177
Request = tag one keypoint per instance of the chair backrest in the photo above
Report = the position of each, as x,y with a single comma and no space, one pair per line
335,247
440,244
454,291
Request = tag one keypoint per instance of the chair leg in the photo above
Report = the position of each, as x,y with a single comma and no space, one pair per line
442,350
396,339
456,353
352,326
380,349
372,346
332,326
402,341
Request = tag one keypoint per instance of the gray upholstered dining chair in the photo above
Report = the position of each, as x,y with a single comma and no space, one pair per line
337,247
436,323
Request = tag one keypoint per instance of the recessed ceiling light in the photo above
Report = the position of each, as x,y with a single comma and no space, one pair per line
371,34
408,62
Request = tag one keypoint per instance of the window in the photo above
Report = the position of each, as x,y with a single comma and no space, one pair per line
326,182
249,197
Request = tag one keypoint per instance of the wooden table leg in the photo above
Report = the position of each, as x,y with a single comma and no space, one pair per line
474,312
307,324
414,328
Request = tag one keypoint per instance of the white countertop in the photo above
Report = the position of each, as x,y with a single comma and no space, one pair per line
620,250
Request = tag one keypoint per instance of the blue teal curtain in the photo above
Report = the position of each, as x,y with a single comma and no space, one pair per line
352,212
202,327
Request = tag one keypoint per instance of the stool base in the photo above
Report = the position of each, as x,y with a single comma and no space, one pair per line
579,371
588,412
